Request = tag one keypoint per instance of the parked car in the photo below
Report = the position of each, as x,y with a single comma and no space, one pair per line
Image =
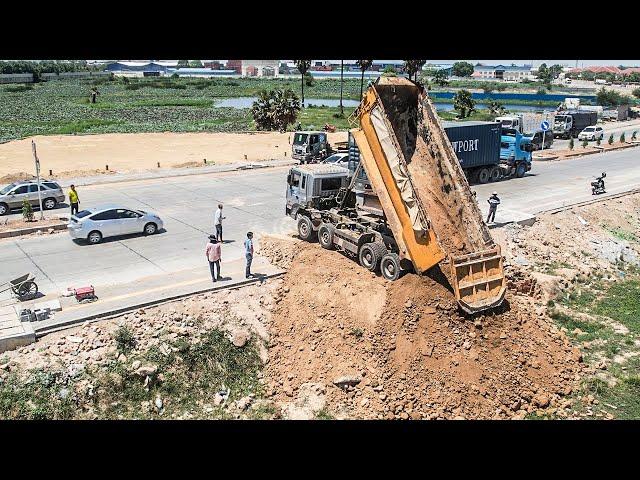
340,159
12,196
536,140
95,224
591,133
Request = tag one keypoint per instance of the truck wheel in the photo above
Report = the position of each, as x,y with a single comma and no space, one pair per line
371,254
520,170
305,229
495,174
483,175
390,266
325,236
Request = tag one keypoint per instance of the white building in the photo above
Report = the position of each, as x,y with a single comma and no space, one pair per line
510,73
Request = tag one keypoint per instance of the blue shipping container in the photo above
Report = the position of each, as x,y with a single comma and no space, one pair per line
476,144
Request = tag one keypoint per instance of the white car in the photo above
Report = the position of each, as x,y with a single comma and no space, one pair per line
97,223
591,133
340,159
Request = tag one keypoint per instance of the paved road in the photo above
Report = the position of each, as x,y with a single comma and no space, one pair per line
253,201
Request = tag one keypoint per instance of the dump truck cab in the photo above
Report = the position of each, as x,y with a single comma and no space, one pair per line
314,186
310,146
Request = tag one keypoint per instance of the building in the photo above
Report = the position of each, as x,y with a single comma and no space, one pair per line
510,73
235,65
606,70
262,68
140,67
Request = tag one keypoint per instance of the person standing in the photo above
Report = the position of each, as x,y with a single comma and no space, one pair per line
217,222
213,252
74,200
493,201
248,251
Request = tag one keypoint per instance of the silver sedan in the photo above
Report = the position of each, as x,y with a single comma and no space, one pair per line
97,223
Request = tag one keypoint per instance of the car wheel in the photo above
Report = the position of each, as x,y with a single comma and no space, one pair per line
325,236
49,204
150,228
94,237
390,266
4,208
305,229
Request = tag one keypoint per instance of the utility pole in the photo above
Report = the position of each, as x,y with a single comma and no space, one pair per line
35,158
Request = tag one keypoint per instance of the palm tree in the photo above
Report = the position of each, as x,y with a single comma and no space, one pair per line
341,81
412,67
364,65
303,67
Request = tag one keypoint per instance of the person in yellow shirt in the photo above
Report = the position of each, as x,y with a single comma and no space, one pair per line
73,200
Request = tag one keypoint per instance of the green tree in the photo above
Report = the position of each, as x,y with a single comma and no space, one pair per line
389,71
571,143
541,91
633,136
309,81
610,141
195,64
585,143
27,211
183,63
598,141
464,104
495,107
275,110
363,65
303,67
611,98
440,78
412,67
622,138
636,92
462,69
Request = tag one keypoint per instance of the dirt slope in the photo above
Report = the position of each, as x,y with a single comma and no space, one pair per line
402,350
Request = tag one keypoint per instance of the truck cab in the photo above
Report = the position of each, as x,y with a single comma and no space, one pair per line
314,186
310,146
562,125
515,152
511,121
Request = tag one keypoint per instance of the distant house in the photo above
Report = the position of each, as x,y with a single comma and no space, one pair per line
502,72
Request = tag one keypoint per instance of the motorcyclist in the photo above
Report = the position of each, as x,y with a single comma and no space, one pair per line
598,185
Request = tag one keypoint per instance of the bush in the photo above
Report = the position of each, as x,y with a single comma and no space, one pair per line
598,141
571,143
633,135
610,141
636,92
27,211
585,143
309,81
125,341
541,91
622,138
275,110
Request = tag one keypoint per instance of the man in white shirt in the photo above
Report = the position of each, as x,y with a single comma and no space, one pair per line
217,222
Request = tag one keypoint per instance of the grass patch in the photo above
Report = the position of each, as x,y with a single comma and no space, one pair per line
173,102
324,414
19,88
625,396
621,234
621,303
314,118
125,341
591,329
478,115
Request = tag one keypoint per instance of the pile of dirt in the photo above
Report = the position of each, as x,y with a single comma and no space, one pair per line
377,349
16,177
279,249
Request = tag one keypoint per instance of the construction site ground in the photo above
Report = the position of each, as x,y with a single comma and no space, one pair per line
332,340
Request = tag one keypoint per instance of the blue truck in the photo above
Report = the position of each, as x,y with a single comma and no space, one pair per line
486,151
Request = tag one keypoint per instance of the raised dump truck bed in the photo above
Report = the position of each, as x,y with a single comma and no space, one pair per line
424,193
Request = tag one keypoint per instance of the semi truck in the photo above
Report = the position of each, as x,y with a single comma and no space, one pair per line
571,123
515,153
426,214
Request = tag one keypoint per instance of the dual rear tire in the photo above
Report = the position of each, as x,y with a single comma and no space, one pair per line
375,256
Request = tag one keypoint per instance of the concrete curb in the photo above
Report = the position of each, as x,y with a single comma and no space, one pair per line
28,231
113,313
172,173
589,202
17,341
588,152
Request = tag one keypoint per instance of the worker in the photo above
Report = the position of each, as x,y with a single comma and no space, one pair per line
217,222
299,126
248,251
213,252
493,201
73,199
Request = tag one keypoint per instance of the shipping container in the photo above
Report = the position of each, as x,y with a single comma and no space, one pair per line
476,144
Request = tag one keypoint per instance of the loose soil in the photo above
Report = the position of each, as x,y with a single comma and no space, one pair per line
6,224
138,152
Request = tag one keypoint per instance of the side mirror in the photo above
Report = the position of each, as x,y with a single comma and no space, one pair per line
289,179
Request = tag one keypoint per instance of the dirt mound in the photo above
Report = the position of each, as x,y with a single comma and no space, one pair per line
16,177
403,350
279,249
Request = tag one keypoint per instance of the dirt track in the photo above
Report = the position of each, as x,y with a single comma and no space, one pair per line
69,155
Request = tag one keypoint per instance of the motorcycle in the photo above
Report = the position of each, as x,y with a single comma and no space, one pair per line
597,187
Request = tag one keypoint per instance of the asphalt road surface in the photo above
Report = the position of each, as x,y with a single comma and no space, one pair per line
253,200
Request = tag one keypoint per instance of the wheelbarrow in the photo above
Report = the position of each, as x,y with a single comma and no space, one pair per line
22,287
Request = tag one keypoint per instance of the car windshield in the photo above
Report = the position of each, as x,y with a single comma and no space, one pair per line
334,158
6,189
589,129
82,213
300,139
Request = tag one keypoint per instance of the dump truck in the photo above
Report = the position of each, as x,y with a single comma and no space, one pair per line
313,146
422,214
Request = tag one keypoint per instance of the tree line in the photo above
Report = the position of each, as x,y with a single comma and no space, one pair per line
46,66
